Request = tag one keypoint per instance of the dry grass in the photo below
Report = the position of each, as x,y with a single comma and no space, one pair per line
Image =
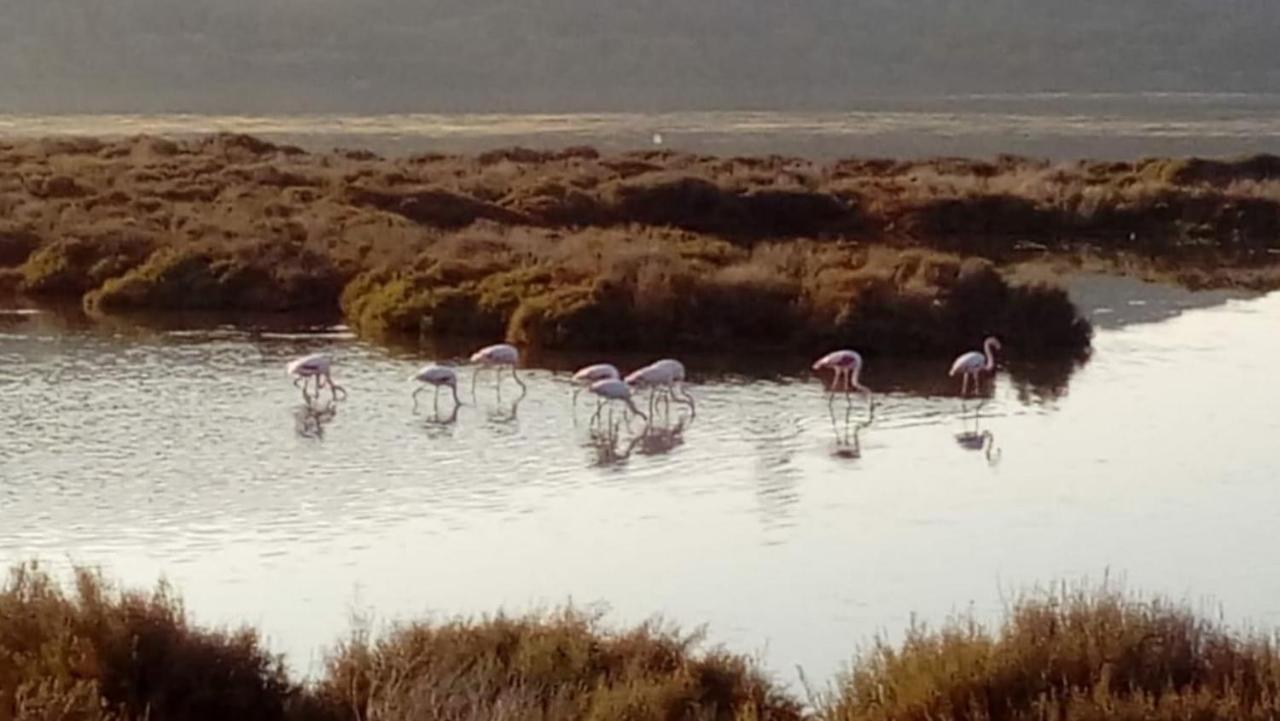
560,666
100,654
1075,655
97,653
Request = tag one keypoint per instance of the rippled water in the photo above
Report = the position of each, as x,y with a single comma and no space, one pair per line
1054,125
186,452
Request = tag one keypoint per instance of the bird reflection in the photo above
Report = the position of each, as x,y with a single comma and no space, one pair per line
613,446
975,438
610,449
437,421
848,431
310,419
657,440
507,414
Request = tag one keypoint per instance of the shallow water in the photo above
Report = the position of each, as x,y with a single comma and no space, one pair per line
186,452
1051,125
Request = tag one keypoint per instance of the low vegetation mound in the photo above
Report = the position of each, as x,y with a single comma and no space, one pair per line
760,248
657,291
1080,655
97,653
555,666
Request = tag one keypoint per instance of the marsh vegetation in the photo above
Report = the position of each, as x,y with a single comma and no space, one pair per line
644,250
96,651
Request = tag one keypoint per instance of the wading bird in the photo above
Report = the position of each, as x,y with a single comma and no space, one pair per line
585,377
973,364
497,357
846,366
315,367
438,376
610,391
666,375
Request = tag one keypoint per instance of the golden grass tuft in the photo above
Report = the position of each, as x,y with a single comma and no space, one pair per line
97,652
561,665
1072,654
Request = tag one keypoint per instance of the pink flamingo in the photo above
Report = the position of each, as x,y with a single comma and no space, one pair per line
973,364
846,366
497,357
317,367
591,374
438,376
666,375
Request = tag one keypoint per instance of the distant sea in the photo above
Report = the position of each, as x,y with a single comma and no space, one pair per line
1058,126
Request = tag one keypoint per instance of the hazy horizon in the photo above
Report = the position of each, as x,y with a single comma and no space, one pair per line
378,56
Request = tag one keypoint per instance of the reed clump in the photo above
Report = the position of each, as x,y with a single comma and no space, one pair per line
1072,654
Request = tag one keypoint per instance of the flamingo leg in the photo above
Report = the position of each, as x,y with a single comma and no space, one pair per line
457,402
631,404
334,388
515,377
415,397
687,398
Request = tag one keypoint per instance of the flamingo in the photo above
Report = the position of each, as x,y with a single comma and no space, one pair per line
612,390
502,355
846,366
438,376
973,364
591,374
667,374
315,366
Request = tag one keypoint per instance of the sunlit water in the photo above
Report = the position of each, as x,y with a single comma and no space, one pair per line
188,454
1053,125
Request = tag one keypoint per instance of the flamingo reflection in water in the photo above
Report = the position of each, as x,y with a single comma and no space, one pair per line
978,439
438,424
848,434
309,419
611,449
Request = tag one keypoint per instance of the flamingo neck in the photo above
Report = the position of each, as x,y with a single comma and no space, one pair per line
853,379
991,355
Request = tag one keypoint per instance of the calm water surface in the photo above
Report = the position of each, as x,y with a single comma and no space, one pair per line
1055,125
187,453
